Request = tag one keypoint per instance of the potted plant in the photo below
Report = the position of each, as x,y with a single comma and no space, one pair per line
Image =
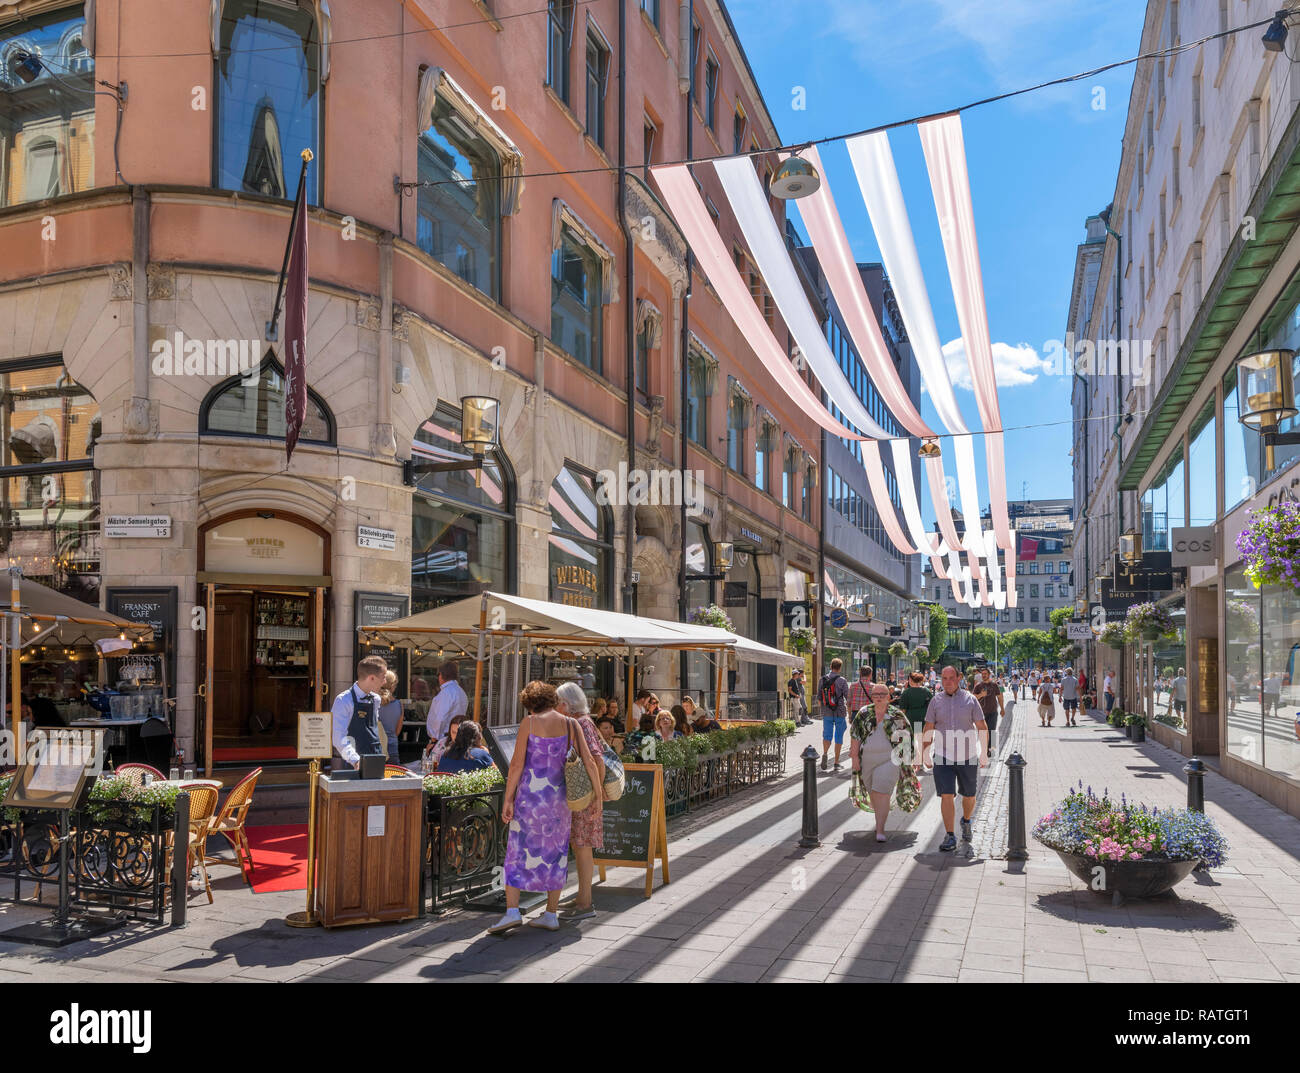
1117,717
1137,726
1149,621
898,650
712,615
919,655
1270,545
1129,850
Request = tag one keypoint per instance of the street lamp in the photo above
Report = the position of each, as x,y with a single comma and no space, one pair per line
1275,36
723,551
480,428
1130,547
795,178
1266,396
929,449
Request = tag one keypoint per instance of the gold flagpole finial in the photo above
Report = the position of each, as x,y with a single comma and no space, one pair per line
307,156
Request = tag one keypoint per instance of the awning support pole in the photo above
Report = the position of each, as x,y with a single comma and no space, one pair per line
478,666
631,689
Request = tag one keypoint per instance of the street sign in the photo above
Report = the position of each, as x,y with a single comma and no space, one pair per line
138,525
1078,631
379,539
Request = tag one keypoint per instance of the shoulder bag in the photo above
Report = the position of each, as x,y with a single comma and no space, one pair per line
577,783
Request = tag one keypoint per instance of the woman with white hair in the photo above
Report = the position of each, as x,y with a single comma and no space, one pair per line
587,831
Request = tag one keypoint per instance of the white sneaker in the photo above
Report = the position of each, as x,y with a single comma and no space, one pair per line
547,922
509,922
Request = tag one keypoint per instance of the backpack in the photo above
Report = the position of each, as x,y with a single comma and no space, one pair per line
827,695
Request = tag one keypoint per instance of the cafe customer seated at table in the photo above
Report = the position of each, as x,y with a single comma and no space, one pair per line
467,753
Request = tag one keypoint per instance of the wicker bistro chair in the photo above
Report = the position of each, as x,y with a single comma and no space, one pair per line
203,803
135,773
396,771
230,823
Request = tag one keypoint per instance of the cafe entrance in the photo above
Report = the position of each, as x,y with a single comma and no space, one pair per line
265,595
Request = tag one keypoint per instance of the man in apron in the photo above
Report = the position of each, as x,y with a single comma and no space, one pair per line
355,729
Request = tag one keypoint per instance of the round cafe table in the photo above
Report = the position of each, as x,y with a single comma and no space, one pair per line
215,784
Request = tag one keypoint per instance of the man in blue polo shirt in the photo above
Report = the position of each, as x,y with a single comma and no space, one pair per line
955,741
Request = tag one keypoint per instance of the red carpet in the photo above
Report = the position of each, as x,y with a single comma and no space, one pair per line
279,857
255,754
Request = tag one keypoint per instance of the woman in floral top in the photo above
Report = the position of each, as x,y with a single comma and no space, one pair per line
883,753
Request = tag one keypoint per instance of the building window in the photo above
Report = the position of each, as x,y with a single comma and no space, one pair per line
697,36
651,9
737,422
49,517
809,483
764,443
641,366
459,212
581,542
462,522
1163,505
576,303
1033,614
597,83
1020,614
268,90
236,408
559,39
649,142
700,376
1048,592
738,127
712,74
47,127
788,478
1033,592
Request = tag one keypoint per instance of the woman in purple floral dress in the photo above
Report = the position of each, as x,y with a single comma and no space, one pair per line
536,809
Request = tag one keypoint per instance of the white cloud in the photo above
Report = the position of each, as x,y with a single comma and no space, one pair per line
1013,366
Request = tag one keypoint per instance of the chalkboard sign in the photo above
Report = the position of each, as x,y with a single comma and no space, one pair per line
379,609
735,594
156,608
636,826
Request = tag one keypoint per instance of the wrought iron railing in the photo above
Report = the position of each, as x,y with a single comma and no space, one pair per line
117,863
722,774
466,846
765,706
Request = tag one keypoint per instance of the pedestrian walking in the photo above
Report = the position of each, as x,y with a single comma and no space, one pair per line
536,808
832,695
989,694
879,743
1178,692
1108,689
1070,698
1046,703
956,743
914,700
800,692
860,692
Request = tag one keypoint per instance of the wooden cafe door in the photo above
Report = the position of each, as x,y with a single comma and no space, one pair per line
263,657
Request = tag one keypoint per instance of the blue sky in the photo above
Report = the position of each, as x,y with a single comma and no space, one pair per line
1039,164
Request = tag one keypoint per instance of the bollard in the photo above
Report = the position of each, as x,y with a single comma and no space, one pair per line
1017,848
1195,771
181,853
809,839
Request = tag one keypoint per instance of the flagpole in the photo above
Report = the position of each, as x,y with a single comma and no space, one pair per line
271,325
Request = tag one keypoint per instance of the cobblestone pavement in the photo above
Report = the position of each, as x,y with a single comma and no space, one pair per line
745,903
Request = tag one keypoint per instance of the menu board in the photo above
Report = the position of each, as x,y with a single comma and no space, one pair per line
379,609
315,735
149,660
635,826
501,744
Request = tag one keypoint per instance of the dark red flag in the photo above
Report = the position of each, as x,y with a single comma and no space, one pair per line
295,328
1028,549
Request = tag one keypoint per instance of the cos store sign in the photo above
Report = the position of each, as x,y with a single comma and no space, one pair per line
1192,545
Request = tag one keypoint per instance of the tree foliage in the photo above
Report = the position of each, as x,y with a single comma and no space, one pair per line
938,630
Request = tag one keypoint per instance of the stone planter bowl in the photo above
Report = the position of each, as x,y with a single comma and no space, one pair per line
1128,879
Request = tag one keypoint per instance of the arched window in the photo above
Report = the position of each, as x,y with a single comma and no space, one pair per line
269,81
582,542
462,522
237,407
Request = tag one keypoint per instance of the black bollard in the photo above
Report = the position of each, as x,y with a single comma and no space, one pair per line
1017,848
809,839
180,860
1195,771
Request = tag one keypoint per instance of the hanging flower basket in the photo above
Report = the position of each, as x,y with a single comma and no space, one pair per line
898,649
920,654
1149,621
1114,635
1071,653
1270,546
1243,618
712,615
802,639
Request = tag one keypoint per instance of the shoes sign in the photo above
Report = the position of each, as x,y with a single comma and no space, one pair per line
1192,545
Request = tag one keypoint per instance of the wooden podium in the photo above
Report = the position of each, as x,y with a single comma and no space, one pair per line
368,849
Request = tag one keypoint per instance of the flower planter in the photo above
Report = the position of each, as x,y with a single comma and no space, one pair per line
1151,634
1138,733
1128,879
1128,731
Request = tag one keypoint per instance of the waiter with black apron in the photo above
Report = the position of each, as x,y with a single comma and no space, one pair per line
355,730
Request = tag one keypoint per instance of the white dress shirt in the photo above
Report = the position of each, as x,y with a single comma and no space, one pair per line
451,701
342,716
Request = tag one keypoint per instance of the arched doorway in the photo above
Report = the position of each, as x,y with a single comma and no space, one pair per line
265,576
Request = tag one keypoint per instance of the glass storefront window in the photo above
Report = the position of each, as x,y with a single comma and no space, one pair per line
1242,456
1168,660
1242,663
47,126
581,542
461,530
1202,483
699,560
268,98
1280,693
49,488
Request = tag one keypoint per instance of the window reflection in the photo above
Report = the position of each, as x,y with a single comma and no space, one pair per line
268,98
47,126
257,409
